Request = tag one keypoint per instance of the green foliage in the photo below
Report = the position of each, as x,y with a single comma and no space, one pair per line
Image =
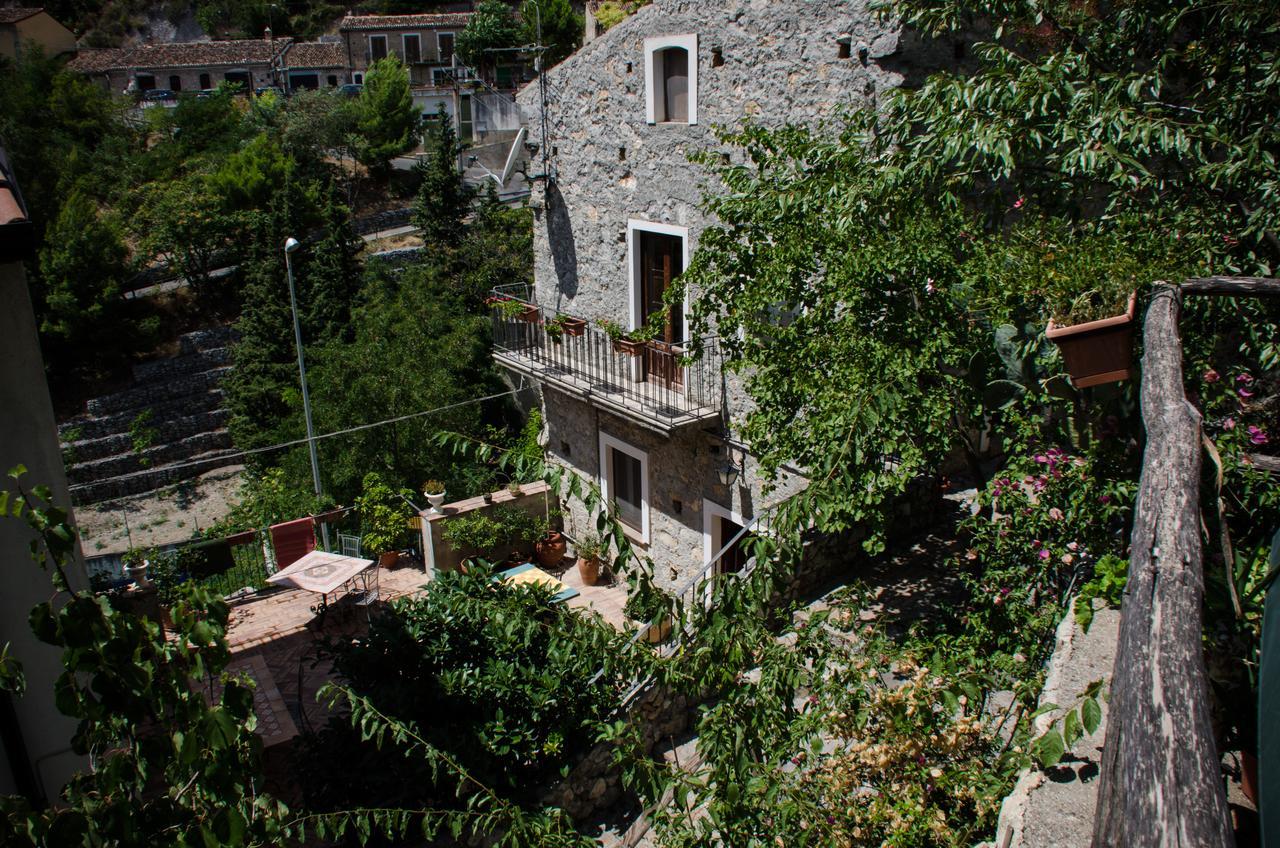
645,603
250,177
141,722
444,200
268,498
488,532
494,674
384,515
562,28
610,13
385,115
492,27
82,269
142,435
1110,576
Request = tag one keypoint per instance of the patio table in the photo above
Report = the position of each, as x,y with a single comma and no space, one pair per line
529,573
324,573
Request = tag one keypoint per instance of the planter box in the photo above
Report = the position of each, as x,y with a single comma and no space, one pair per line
1097,352
530,314
628,347
574,327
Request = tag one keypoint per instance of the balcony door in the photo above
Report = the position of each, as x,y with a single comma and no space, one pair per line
661,261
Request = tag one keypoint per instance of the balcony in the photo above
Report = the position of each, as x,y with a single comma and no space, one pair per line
654,386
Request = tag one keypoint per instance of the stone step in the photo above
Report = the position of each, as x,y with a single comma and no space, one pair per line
148,396
158,370
153,457
85,427
199,340
173,430
152,478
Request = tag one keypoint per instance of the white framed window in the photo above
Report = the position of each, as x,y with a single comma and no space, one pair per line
444,47
377,47
671,79
644,240
357,78
411,43
624,479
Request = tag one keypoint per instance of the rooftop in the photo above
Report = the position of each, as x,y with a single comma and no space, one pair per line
315,54
241,51
13,14
368,22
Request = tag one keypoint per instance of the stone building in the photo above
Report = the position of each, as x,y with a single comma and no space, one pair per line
618,216
192,66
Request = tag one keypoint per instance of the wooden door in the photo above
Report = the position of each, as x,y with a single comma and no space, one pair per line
661,261
734,559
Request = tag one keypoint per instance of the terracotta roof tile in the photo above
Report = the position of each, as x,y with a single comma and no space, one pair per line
448,19
99,60
245,51
13,14
315,54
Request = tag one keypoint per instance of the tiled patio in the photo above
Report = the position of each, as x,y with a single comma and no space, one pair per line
606,598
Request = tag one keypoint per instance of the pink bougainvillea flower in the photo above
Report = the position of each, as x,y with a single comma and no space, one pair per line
1017,204
1055,514
1067,559
1044,553
1244,393
1211,376
1072,546
1246,377
1257,435
1035,543
1229,424
1041,458
1105,499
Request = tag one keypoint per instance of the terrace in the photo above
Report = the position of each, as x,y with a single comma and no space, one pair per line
657,385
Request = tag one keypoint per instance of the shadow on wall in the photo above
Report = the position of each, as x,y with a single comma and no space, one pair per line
564,253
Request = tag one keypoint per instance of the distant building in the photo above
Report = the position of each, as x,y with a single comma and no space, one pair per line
19,25
200,65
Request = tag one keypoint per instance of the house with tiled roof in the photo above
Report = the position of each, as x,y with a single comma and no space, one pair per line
192,66
21,25
315,64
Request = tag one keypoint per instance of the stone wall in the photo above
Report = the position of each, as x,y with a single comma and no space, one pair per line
595,783
774,62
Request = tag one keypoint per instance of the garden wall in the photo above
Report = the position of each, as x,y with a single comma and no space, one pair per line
440,556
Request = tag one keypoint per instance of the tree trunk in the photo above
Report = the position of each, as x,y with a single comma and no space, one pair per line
1161,779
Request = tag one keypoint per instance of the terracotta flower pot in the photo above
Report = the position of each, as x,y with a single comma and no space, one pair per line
589,570
628,347
1097,352
530,314
388,559
551,548
574,326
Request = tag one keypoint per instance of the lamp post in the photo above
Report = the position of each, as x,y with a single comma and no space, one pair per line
290,246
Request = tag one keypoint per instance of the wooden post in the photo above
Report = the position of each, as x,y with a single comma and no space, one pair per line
1235,286
1161,778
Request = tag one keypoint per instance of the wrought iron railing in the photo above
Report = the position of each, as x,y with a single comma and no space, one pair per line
670,383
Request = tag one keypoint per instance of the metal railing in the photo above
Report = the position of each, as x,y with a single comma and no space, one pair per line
656,382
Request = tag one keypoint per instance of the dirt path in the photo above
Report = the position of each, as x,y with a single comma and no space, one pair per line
169,515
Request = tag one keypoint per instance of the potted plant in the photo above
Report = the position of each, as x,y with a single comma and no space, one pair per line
551,544
473,533
564,325
434,490
135,567
384,518
650,605
1096,342
629,342
514,488
589,550
512,309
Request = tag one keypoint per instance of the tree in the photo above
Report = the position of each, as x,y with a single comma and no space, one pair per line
492,27
330,276
250,177
385,115
444,200
562,28
83,267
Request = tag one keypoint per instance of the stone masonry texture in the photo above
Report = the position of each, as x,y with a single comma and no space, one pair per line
772,62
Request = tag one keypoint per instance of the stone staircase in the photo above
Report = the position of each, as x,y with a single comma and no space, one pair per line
177,402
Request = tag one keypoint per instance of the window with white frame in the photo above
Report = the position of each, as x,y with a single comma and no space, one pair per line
624,479
444,47
671,79
377,47
412,44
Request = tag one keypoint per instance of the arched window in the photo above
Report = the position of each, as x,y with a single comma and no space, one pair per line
671,79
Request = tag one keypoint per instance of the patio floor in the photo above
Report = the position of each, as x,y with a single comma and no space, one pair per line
606,598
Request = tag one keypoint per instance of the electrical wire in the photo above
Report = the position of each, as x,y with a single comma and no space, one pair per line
344,432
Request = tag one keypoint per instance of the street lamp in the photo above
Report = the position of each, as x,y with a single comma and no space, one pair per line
290,246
